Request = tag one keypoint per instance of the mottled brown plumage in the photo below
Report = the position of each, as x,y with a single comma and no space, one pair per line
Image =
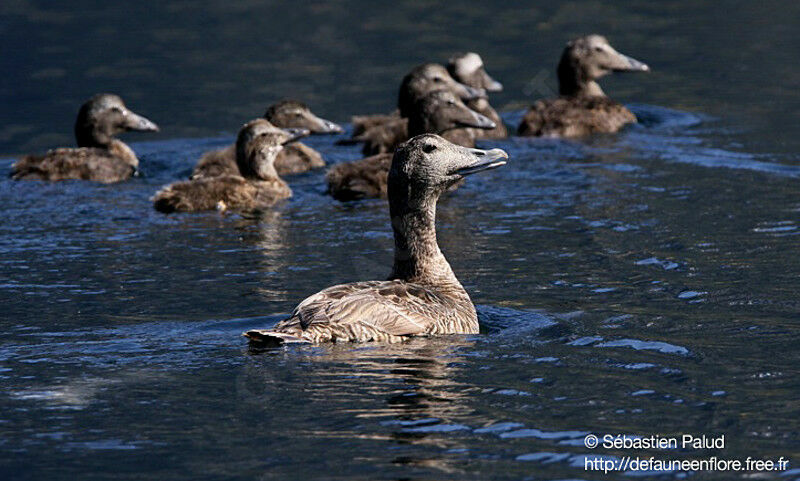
255,185
422,297
583,107
295,158
438,112
99,156
468,68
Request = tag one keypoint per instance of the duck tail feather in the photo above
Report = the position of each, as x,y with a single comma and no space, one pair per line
272,338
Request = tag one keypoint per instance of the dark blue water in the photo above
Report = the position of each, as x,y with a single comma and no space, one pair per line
637,284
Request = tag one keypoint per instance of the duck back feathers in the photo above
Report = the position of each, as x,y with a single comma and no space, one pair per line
575,117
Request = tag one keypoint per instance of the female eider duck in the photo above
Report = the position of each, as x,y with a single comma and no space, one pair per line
583,108
468,69
256,185
439,112
99,156
422,296
295,158
417,83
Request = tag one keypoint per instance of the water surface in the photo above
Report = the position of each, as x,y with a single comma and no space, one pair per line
637,284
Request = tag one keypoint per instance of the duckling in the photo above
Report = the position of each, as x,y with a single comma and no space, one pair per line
583,107
99,156
468,69
295,158
257,184
422,296
439,112
417,83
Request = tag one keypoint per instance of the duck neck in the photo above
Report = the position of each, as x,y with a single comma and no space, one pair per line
259,166
417,257
418,124
121,150
92,137
574,81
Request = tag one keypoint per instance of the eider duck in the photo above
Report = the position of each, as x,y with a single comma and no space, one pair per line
439,112
295,158
417,83
468,69
583,108
256,185
99,157
422,296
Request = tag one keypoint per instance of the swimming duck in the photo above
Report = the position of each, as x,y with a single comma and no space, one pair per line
468,69
99,156
295,158
422,296
583,107
256,185
421,80
439,112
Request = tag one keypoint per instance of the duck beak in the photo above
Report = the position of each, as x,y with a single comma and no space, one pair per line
324,126
138,123
629,64
480,160
295,134
469,93
478,121
490,84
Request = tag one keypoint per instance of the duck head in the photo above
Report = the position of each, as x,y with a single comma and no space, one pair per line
587,59
104,116
426,165
440,111
427,78
468,69
258,144
297,115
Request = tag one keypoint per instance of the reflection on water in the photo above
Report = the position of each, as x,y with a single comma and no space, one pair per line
637,284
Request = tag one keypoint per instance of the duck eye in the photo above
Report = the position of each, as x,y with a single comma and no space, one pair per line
598,49
437,79
428,148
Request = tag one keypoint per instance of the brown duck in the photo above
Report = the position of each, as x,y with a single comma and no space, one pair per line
256,185
468,69
583,107
417,83
422,296
99,156
295,158
439,112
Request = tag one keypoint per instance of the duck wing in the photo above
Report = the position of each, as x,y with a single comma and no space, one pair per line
574,117
216,163
296,158
85,163
365,311
359,179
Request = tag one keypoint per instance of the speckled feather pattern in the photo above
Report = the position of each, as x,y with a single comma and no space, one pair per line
107,165
231,191
575,117
383,311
